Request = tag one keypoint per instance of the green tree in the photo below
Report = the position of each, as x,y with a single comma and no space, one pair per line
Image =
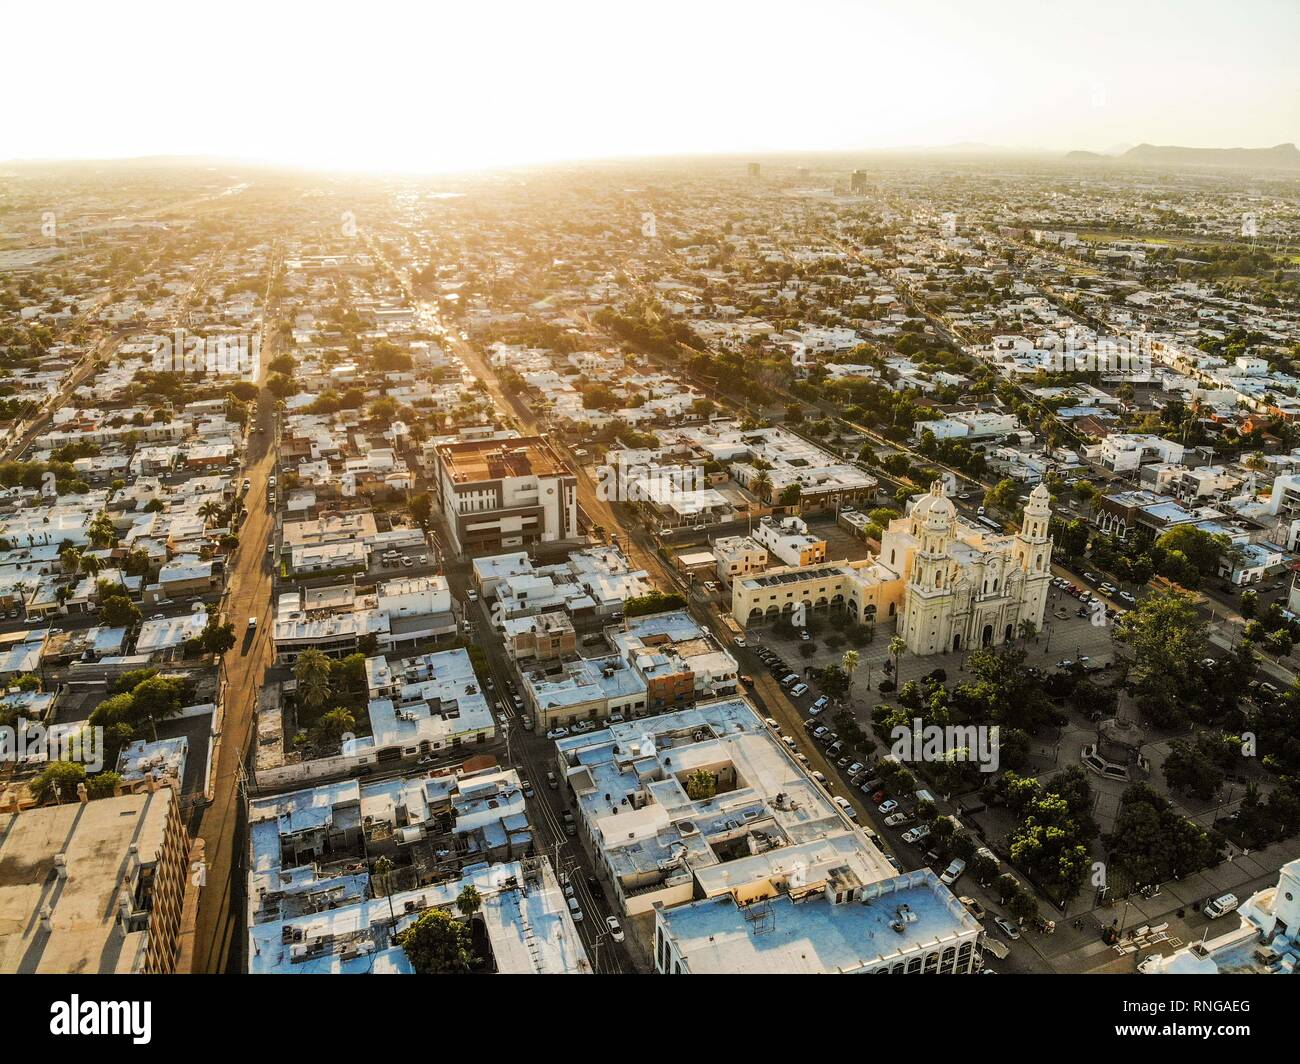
119,611
1164,639
700,785
58,782
312,671
896,647
438,944
469,901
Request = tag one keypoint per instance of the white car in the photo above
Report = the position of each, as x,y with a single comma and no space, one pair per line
917,834
953,872
252,622
843,803
558,733
740,643
799,690
615,928
895,820
887,806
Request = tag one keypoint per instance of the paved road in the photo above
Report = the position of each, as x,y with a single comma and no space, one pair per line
218,936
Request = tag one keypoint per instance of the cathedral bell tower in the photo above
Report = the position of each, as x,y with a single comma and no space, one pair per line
1033,553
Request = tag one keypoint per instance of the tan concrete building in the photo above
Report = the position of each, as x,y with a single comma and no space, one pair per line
93,886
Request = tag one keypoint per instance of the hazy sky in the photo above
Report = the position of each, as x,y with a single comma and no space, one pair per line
429,85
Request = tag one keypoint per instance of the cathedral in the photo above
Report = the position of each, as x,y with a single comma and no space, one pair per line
963,586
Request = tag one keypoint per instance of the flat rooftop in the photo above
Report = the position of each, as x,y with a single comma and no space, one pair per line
94,838
893,920
479,460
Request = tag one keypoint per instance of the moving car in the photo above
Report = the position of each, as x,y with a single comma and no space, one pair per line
615,928
252,623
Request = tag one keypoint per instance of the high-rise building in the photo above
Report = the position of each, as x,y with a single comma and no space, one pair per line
94,886
498,494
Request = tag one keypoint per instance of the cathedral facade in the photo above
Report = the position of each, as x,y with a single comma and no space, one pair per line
963,586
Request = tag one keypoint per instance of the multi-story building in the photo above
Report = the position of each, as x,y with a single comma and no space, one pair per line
908,925
94,886
762,850
316,903
502,494
787,538
738,556
661,661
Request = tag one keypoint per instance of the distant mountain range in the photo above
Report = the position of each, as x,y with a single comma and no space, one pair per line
1279,157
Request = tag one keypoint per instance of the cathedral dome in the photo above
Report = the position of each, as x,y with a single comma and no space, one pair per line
935,510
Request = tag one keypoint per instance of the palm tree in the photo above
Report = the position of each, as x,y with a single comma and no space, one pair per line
71,559
209,510
896,647
1027,630
312,671
761,485
849,663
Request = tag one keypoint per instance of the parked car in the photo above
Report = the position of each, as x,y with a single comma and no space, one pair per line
819,705
799,690
973,907
820,731
558,733
953,872
853,769
552,780
1007,927
575,910
887,806
615,928
897,820
1221,906
917,834
843,803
